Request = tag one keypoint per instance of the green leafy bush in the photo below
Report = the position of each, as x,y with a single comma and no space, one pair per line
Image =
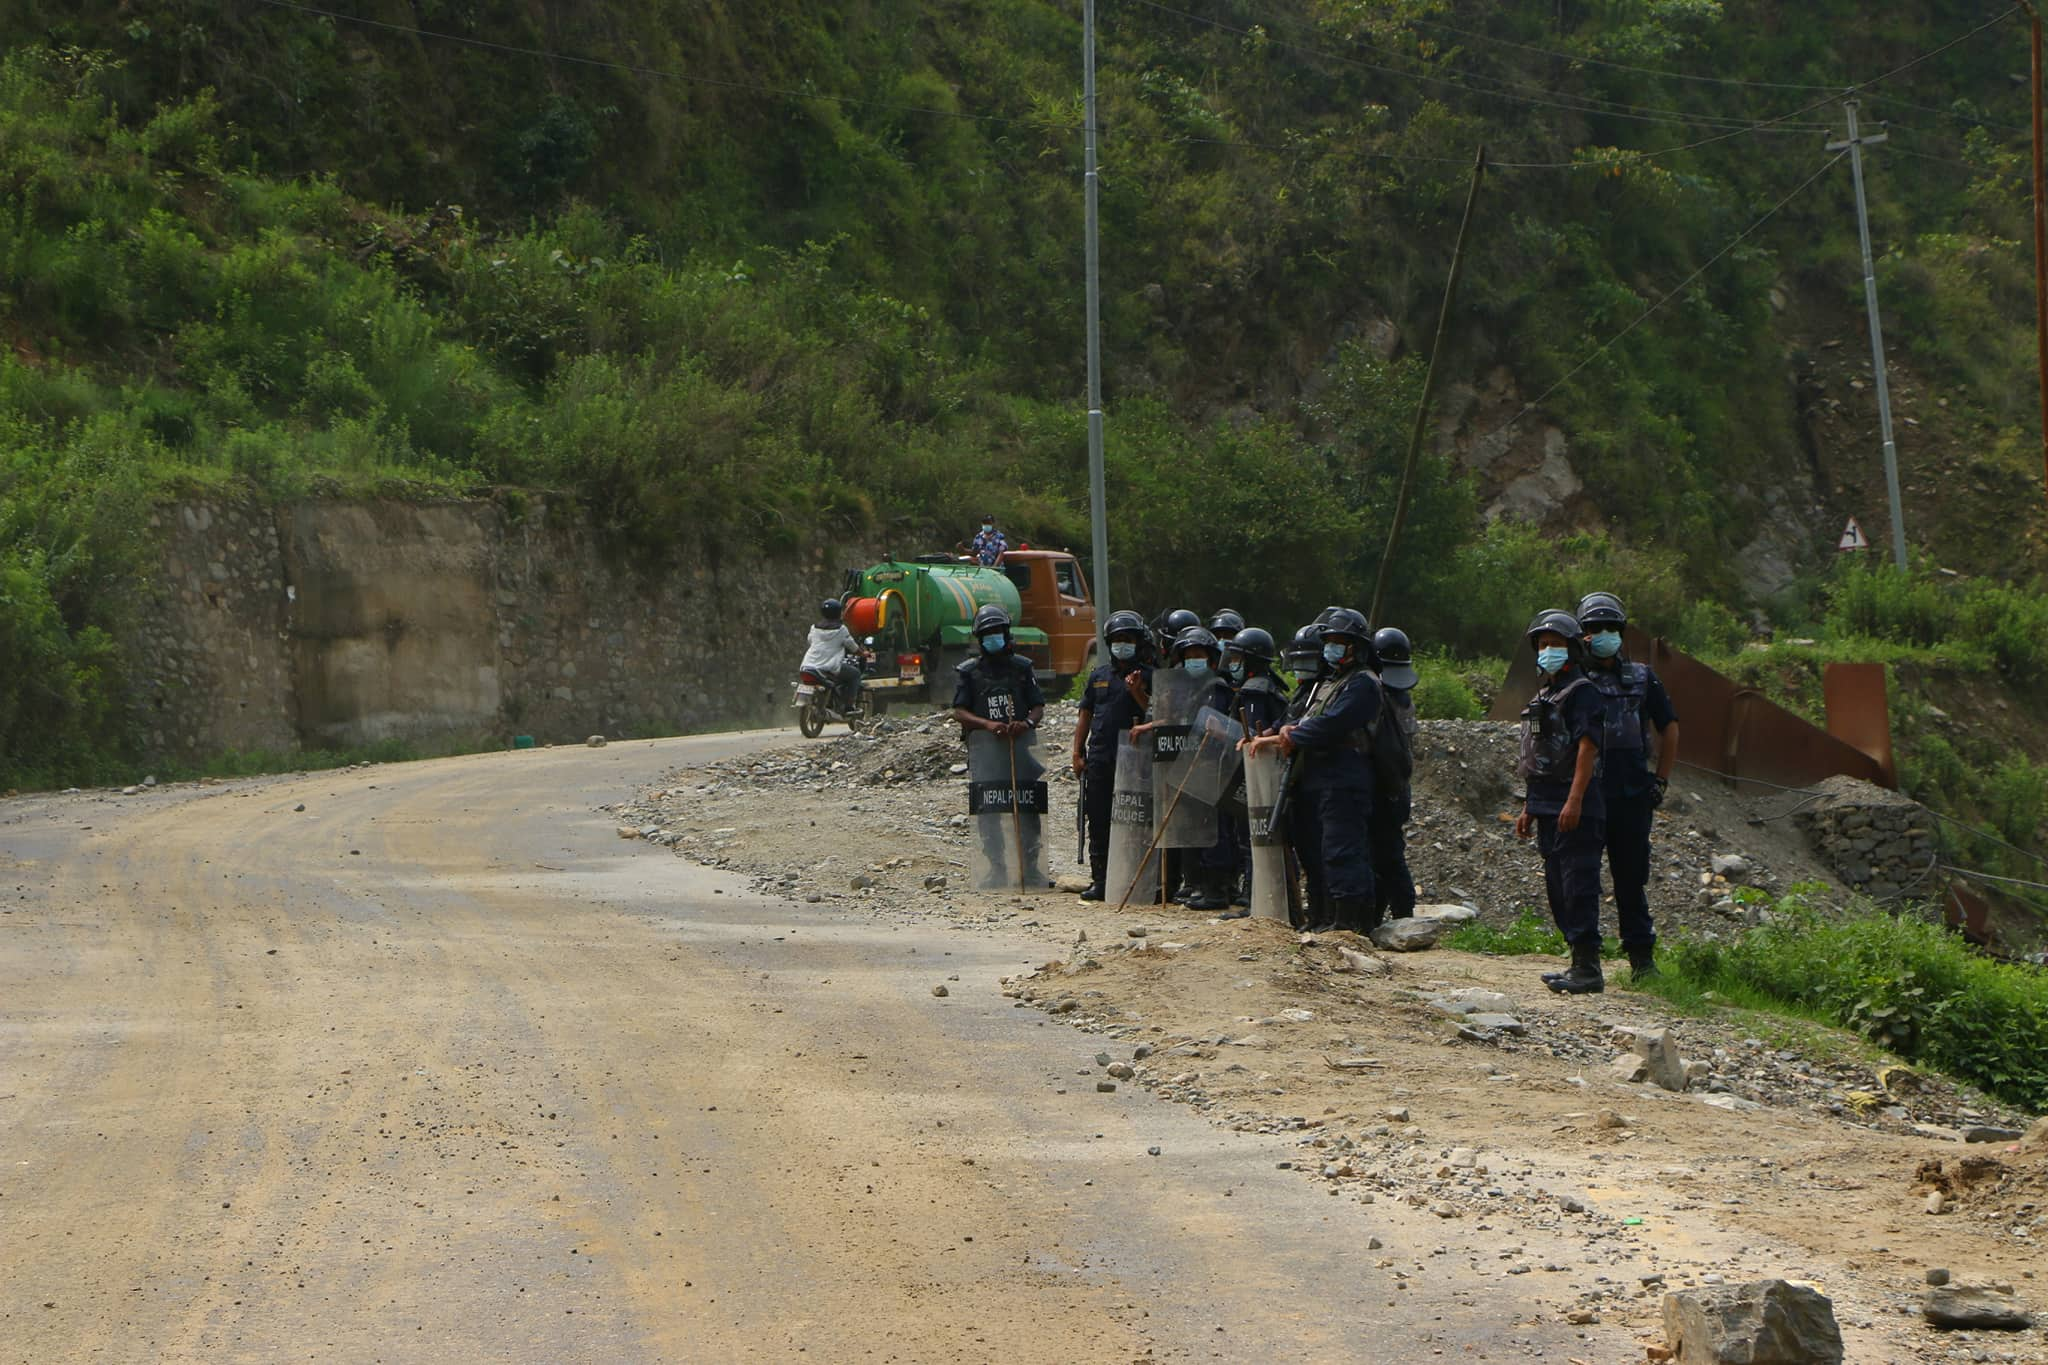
1909,985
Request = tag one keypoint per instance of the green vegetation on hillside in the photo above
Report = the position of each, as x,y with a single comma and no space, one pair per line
823,281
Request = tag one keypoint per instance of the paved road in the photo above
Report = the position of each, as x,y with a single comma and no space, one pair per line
439,1068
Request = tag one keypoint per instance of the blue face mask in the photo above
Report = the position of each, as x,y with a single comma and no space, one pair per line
1235,668
1123,650
992,644
1605,645
1195,664
1334,653
988,526
1552,658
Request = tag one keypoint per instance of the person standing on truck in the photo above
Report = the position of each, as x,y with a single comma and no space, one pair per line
1109,709
834,655
989,544
997,690
1640,723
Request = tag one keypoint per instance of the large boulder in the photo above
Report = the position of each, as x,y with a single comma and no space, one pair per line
1769,1322
1975,1306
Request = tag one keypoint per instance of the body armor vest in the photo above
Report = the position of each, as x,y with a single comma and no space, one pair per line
1549,752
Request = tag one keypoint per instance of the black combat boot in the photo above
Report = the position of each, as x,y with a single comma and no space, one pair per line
1207,891
1584,977
1094,891
1642,962
1355,913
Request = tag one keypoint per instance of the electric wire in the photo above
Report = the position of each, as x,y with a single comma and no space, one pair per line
779,92
1993,877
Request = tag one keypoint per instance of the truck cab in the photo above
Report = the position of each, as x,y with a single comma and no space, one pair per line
1054,593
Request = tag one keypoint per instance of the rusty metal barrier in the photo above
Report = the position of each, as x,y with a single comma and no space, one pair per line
1738,732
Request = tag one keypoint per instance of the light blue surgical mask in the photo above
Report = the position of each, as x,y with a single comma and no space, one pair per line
1196,665
988,526
1123,651
1552,658
992,644
1235,668
1334,653
1605,645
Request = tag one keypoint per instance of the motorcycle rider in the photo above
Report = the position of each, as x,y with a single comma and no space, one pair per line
1639,719
1565,808
997,690
1333,790
1109,709
1392,884
834,655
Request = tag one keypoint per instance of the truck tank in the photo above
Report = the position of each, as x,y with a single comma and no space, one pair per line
927,610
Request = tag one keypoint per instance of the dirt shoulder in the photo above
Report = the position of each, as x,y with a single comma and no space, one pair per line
1795,1151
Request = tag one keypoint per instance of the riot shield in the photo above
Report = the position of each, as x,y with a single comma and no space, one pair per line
1133,877
1211,759
1006,805
1269,854
1180,818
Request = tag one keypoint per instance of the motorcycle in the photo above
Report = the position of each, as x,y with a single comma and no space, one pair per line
818,704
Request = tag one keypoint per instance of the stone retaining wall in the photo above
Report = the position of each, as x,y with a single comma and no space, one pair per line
335,623
1879,842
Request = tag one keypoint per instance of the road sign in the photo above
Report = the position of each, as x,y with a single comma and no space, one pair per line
1853,537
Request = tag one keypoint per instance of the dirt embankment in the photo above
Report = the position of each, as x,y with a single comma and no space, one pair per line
1445,1087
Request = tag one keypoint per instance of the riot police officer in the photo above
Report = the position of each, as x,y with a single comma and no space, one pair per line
1259,706
997,690
1169,626
1304,659
1562,729
1640,719
1333,779
1225,624
1206,873
1109,708
1393,886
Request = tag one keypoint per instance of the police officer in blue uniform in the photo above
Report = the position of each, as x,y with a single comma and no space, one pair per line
1208,872
1562,730
997,690
1259,705
1109,709
1332,799
1640,719
1393,886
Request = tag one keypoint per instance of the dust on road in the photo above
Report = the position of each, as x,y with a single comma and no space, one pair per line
438,1068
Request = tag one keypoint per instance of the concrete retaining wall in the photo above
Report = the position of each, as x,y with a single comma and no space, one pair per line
336,623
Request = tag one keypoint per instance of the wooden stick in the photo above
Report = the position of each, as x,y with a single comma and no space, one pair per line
1160,833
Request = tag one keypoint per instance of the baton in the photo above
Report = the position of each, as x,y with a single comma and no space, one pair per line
1016,818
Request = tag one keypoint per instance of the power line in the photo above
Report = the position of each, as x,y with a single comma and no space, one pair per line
780,92
1993,877
1682,285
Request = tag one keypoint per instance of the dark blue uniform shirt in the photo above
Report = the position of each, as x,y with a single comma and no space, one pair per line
1110,708
1334,739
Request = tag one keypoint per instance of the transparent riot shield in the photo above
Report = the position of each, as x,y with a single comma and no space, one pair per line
1006,803
1269,855
1180,817
1133,877
1210,758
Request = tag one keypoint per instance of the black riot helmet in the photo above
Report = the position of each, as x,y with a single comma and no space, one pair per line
1194,637
1178,620
1598,609
1124,623
830,609
1397,658
990,618
1557,621
1304,654
1226,623
1344,623
1254,643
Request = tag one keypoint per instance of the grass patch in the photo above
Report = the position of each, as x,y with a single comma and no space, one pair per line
1907,986
1529,934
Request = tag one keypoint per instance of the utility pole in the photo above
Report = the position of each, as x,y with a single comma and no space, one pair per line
1855,143
1436,355
1098,498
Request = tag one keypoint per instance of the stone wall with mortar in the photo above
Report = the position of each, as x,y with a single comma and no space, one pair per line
1879,842
335,623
